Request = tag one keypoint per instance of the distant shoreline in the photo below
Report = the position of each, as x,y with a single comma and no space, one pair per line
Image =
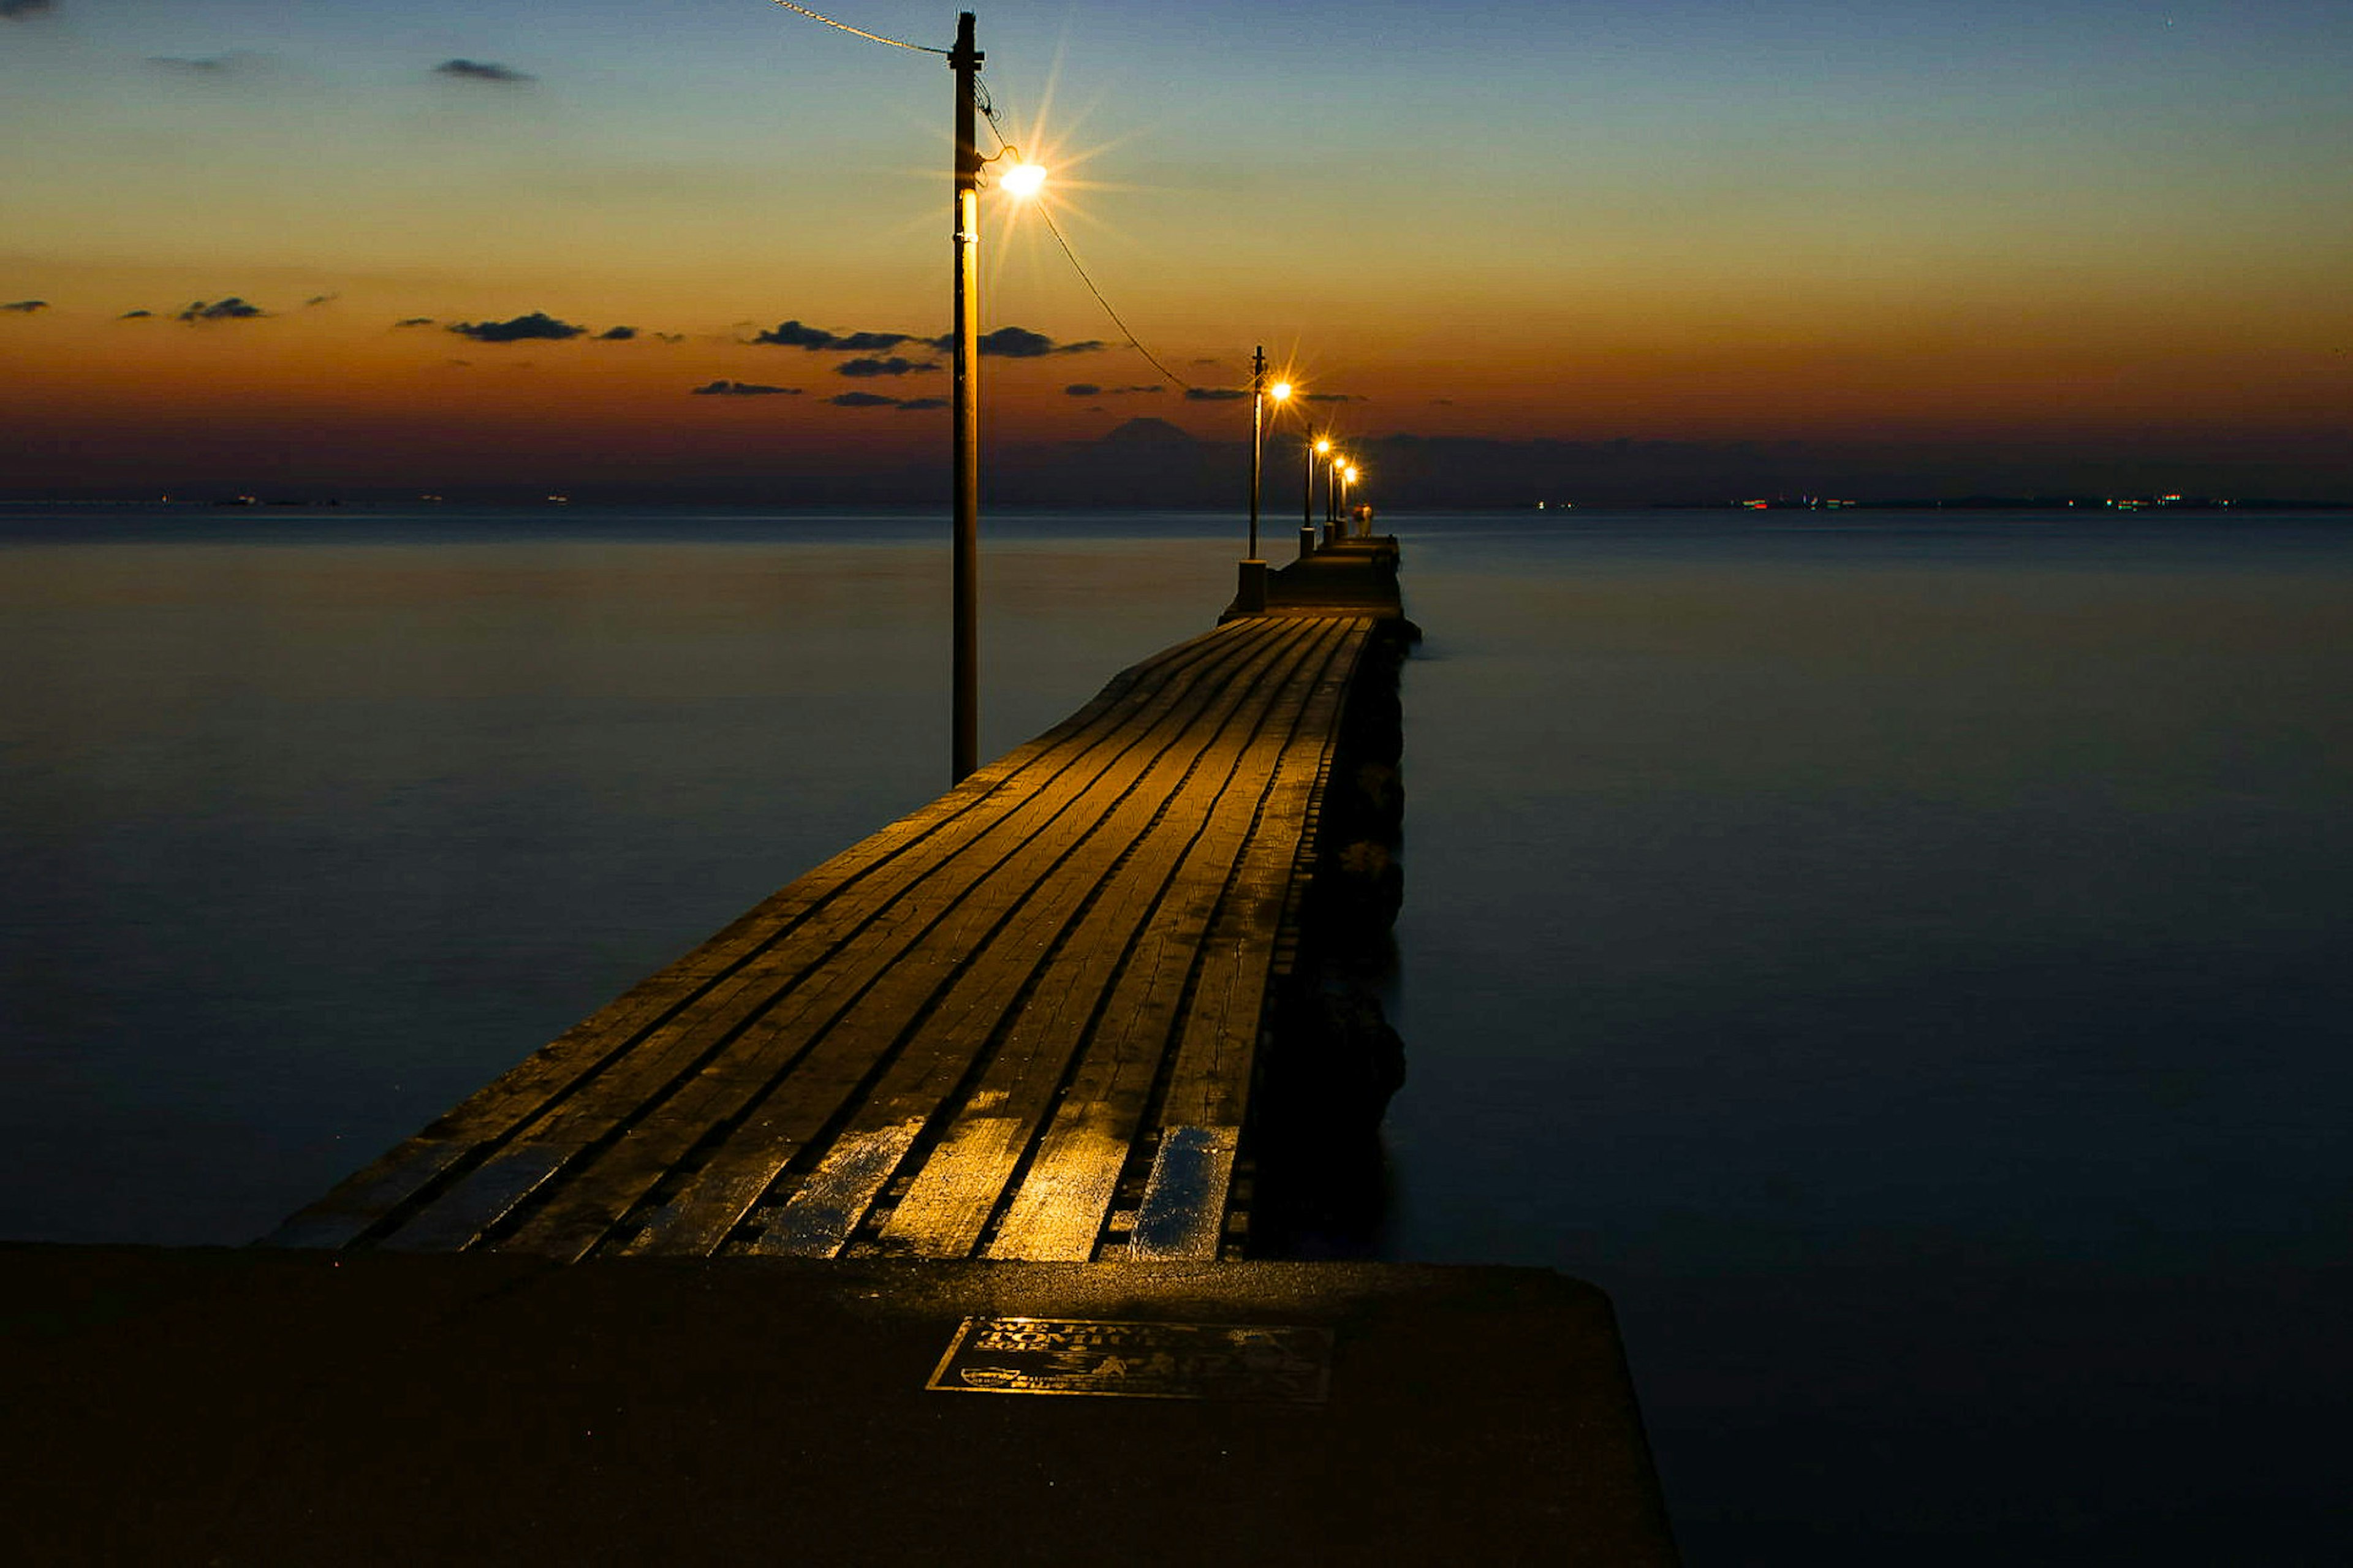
2088,505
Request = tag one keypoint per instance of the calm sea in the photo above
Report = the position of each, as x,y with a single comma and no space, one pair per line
1903,957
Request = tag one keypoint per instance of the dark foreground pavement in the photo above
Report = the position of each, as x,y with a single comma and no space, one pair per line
247,1406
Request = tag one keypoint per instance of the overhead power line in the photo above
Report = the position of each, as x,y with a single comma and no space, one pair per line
988,110
894,43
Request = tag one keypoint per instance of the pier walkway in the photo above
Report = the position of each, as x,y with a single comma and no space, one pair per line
957,1115
1020,1023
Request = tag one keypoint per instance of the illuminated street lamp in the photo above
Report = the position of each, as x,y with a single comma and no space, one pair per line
1021,180
1347,478
1260,392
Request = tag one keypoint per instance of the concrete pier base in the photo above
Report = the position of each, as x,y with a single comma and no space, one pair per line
1249,591
262,1406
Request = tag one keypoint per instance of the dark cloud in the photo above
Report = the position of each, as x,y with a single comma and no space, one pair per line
617,334
1089,389
481,70
1082,389
1006,342
794,335
1329,397
321,300
743,389
25,307
1020,343
911,405
891,366
23,7
134,315
797,335
216,66
1205,361
537,324
414,321
862,400
230,310
1214,393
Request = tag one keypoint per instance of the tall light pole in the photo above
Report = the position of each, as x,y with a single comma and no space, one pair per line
1258,436
1318,448
965,420
1279,393
1311,446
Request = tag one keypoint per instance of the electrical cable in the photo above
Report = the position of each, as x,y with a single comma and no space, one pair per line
988,112
987,107
894,43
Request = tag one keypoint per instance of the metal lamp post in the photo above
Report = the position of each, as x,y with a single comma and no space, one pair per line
965,420
1309,448
1023,179
1249,596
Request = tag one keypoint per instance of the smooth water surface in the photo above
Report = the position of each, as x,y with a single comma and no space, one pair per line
1898,956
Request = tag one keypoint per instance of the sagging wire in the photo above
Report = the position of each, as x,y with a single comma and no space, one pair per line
894,43
987,107
988,112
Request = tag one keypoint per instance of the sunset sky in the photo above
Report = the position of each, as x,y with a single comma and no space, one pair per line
1949,227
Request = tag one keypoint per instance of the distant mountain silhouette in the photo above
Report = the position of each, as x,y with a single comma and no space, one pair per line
1146,431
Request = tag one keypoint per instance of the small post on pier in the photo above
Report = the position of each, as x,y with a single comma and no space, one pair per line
964,421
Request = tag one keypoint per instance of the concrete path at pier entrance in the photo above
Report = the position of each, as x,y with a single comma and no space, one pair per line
259,1406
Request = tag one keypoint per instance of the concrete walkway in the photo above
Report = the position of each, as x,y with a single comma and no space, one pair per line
262,1407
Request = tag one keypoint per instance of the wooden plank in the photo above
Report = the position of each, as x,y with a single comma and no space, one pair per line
1183,1213
356,1204
838,1192
485,1195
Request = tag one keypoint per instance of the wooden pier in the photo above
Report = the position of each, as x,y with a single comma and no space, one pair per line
976,1108
1021,1023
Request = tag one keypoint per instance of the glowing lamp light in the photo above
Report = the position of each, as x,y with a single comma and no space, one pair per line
1322,444
1023,180
1279,392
